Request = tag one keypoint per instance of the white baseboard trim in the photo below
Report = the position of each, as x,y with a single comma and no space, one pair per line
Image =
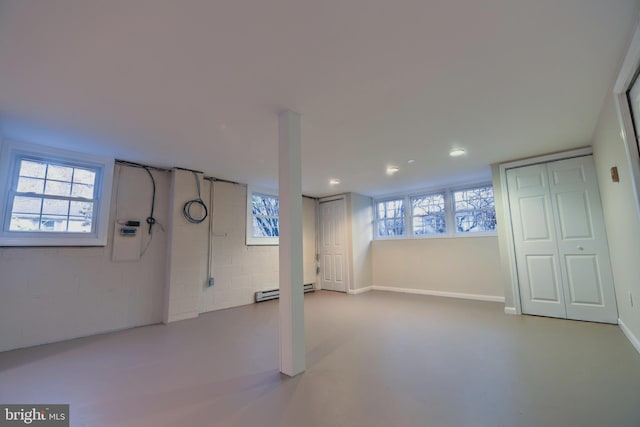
630,336
360,290
459,295
510,310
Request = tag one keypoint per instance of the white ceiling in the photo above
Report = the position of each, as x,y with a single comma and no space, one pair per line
199,83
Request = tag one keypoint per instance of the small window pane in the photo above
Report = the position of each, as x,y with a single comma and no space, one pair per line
24,222
265,227
33,169
81,209
77,225
433,224
54,223
56,188
30,205
30,185
391,209
82,190
265,205
428,204
55,207
476,198
394,209
81,217
59,173
391,227
84,176
474,222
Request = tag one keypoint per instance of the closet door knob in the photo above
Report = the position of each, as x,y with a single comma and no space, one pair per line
580,248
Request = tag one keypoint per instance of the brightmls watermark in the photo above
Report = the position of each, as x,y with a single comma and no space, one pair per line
34,415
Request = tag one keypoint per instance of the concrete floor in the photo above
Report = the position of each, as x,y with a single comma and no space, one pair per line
375,359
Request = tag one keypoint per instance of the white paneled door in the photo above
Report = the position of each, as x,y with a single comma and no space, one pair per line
561,248
536,247
333,245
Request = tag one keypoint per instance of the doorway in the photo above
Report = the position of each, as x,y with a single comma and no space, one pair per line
333,245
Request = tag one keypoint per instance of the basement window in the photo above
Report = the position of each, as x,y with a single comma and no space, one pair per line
450,212
53,197
475,211
390,218
428,214
263,211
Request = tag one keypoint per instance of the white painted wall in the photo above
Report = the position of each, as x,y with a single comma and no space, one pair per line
53,294
621,219
240,270
359,218
187,250
503,237
466,266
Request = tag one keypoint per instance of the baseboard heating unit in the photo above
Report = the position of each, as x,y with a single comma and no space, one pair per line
275,293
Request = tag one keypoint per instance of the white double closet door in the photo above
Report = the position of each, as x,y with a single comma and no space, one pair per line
562,256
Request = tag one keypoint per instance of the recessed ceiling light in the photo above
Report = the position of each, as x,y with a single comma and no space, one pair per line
411,161
392,169
457,152
334,181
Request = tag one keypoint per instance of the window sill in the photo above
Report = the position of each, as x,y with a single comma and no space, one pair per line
447,236
52,241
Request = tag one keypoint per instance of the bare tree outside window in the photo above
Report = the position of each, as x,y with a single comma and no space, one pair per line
265,212
390,218
438,213
428,214
475,210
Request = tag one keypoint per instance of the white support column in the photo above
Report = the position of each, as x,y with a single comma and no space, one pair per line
292,353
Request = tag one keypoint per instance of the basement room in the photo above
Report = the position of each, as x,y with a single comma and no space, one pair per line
320,213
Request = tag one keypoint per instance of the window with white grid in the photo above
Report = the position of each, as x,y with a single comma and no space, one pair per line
447,212
428,214
263,217
390,218
53,197
474,210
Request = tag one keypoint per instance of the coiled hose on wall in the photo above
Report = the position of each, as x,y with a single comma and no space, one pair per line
195,202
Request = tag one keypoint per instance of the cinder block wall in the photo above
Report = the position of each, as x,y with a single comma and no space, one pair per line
240,270
54,294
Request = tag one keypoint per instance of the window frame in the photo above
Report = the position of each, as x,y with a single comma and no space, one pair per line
453,209
376,220
445,195
12,153
250,239
626,77
449,214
